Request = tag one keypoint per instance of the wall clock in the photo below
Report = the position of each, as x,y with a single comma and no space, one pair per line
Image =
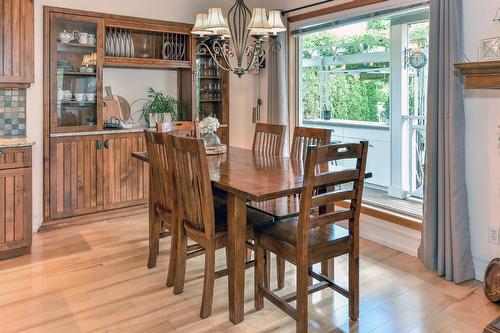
418,60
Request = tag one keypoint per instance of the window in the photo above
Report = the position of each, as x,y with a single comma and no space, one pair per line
366,79
345,73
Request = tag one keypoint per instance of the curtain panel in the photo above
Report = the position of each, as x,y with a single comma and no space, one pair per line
445,245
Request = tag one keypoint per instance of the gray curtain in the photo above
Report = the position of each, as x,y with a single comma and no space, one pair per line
277,100
445,246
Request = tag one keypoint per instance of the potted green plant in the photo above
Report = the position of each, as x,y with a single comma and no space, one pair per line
161,108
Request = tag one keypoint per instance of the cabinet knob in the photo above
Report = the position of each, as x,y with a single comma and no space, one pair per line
106,144
99,145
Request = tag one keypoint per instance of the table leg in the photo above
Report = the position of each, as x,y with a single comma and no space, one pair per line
236,229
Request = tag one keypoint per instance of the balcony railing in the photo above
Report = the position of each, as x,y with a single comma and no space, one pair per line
416,142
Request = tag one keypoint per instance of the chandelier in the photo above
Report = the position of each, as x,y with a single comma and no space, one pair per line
237,43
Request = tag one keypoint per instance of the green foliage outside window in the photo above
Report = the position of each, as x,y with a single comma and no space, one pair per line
356,96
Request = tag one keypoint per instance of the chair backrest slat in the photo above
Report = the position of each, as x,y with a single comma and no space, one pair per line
317,175
193,183
269,139
161,164
336,196
179,128
304,137
328,218
337,178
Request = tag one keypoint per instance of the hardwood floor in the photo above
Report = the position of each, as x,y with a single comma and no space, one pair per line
93,278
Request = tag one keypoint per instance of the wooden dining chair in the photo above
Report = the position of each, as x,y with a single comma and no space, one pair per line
286,207
269,139
306,240
201,222
163,219
181,128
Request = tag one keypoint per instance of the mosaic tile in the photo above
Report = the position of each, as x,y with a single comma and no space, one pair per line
13,112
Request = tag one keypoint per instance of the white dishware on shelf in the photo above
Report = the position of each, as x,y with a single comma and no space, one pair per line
166,50
83,38
68,94
90,97
80,97
114,42
132,49
122,45
66,36
127,46
91,39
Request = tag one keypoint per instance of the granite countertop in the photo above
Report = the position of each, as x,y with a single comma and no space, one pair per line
104,131
15,142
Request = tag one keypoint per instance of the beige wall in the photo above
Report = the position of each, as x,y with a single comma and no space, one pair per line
131,84
482,146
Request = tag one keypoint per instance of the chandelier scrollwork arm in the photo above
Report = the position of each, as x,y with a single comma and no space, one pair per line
237,43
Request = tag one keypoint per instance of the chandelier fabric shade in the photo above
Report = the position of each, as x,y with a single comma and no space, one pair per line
216,22
237,43
259,25
201,25
275,23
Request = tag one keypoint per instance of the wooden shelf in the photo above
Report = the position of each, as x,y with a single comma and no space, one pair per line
481,75
73,47
145,63
79,74
211,77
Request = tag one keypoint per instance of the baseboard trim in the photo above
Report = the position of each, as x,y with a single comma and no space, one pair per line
400,238
480,266
388,216
92,218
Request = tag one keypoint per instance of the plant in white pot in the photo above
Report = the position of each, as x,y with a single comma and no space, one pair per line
161,108
207,128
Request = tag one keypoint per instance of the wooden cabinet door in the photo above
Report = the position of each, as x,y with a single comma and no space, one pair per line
125,178
16,43
75,175
15,209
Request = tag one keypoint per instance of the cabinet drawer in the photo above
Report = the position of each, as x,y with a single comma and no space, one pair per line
11,158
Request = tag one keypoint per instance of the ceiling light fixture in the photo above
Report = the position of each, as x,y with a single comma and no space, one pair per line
238,43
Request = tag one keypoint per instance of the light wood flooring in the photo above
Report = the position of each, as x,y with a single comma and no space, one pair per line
94,278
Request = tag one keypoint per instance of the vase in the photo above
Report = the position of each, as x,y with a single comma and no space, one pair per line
211,140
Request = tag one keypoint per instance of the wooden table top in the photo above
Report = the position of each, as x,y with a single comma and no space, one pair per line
252,176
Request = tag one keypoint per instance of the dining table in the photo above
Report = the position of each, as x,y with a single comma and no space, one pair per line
247,176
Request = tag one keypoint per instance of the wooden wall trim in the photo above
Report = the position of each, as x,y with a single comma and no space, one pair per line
116,17
332,9
391,217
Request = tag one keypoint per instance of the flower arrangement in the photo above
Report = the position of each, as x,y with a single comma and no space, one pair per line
208,125
207,128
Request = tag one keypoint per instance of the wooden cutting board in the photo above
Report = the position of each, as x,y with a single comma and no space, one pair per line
111,106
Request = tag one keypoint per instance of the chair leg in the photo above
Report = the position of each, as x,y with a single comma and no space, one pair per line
259,276
267,269
172,264
354,286
208,282
154,239
180,269
302,323
280,272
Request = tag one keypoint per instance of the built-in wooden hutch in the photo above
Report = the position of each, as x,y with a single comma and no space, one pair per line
88,170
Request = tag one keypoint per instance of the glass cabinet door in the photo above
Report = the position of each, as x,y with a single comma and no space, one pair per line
208,88
211,97
75,60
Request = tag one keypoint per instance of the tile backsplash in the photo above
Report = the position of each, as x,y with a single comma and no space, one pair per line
12,112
